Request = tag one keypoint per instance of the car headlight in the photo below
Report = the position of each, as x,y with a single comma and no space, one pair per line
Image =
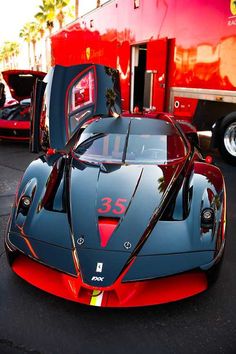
207,218
25,204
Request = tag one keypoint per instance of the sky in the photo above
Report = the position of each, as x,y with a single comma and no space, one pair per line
15,13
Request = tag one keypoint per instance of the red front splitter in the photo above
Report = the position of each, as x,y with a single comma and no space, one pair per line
139,293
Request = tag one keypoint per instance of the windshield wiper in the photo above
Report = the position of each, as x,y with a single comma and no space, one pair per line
95,163
126,143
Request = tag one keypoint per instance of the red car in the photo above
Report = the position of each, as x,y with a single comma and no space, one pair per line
15,114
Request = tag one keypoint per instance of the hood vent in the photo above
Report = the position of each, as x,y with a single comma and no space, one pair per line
106,228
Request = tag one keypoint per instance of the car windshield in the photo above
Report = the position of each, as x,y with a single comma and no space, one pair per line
138,141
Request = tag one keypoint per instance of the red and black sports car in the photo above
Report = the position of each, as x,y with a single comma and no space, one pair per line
119,210
15,114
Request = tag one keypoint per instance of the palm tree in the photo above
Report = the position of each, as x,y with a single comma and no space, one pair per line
46,15
8,54
76,8
31,34
51,10
41,28
26,36
34,37
59,6
14,49
4,55
1,58
41,25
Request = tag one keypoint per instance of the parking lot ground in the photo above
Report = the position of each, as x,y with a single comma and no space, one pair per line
32,321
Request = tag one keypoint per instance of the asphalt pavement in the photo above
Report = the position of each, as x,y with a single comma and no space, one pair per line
32,321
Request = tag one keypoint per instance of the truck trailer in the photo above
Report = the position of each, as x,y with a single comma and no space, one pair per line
177,56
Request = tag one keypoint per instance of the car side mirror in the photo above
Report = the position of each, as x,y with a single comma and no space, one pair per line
193,139
191,133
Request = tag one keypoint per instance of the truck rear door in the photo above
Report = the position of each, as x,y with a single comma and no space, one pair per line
156,68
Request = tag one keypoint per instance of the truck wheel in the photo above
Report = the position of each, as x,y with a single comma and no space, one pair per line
227,141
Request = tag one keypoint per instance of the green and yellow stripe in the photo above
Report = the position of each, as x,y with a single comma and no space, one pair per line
96,298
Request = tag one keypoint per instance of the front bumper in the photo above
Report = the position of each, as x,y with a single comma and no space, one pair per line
14,130
129,294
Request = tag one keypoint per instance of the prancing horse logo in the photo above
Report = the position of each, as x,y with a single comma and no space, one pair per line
88,52
99,267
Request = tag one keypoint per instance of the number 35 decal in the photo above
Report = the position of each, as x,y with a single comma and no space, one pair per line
118,207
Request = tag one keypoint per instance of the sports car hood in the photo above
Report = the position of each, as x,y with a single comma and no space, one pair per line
20,82
113,210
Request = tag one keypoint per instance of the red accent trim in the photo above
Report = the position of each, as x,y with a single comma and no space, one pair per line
14,124
13,138
208,159
139,293
106,228
30,247
47,279
27,241
51,151
224,214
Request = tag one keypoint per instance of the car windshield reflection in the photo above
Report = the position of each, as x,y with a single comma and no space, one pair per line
132,147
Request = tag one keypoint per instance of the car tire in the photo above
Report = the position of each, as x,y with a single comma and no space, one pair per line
227,139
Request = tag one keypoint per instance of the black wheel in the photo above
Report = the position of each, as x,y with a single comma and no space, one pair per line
227,138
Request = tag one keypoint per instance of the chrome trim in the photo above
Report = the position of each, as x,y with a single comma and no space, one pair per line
230,139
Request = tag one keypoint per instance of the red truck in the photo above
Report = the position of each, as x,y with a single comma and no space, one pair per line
177,56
